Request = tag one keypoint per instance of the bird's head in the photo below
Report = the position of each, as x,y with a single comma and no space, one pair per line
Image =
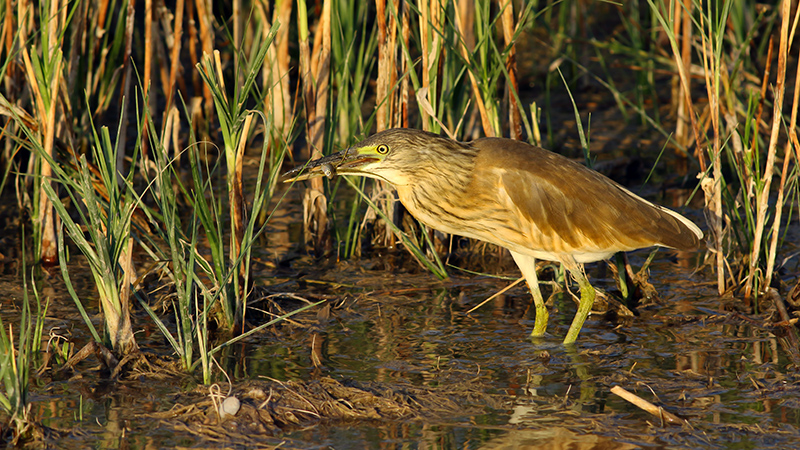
398,155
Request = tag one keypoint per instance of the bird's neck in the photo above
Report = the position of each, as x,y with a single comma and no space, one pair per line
439,189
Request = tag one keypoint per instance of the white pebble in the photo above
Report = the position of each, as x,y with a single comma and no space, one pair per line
229,407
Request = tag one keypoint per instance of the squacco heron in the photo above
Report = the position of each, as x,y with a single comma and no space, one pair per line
534,202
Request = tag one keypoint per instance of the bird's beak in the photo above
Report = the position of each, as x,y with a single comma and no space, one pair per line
346,162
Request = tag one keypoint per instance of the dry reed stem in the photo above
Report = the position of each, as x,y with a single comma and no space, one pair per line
45,115
170,126
387,66
424,35
787,157
424,24
757,122
321,60
684,75
207,43
466,12
192,47
147,73
7,40
404,84
54,26
126,342
25,16
219,74
486,122
308,89
148,52
49,253
238,212
93,78
512,87
80,35
275,70
315,97
34,87
7,43
675,81
239,222
764,85
762,202
385,96
429,23
126,81
711,67
175,55
711,187
101,15
284,14
684,24
237,39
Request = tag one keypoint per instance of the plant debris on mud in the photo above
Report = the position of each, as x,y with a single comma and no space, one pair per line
271,407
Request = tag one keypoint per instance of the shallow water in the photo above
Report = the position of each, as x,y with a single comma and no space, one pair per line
730,380
390,324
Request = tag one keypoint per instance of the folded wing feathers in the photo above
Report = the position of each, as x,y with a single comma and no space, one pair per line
564,201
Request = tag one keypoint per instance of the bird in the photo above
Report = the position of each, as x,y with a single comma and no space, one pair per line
534,202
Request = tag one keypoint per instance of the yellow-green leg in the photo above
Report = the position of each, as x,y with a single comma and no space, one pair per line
584,306
527,265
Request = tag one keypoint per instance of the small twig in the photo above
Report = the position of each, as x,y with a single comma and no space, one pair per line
102,353
290,295
266,402
657,411
315,352
215,393
790,341
496,294
776,298
315,412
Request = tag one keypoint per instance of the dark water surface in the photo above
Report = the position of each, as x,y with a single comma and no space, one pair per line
393,325
688,353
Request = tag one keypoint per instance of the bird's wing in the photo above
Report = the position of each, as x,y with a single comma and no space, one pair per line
569,208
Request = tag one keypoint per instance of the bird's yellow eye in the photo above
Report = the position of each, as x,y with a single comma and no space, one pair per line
383,149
